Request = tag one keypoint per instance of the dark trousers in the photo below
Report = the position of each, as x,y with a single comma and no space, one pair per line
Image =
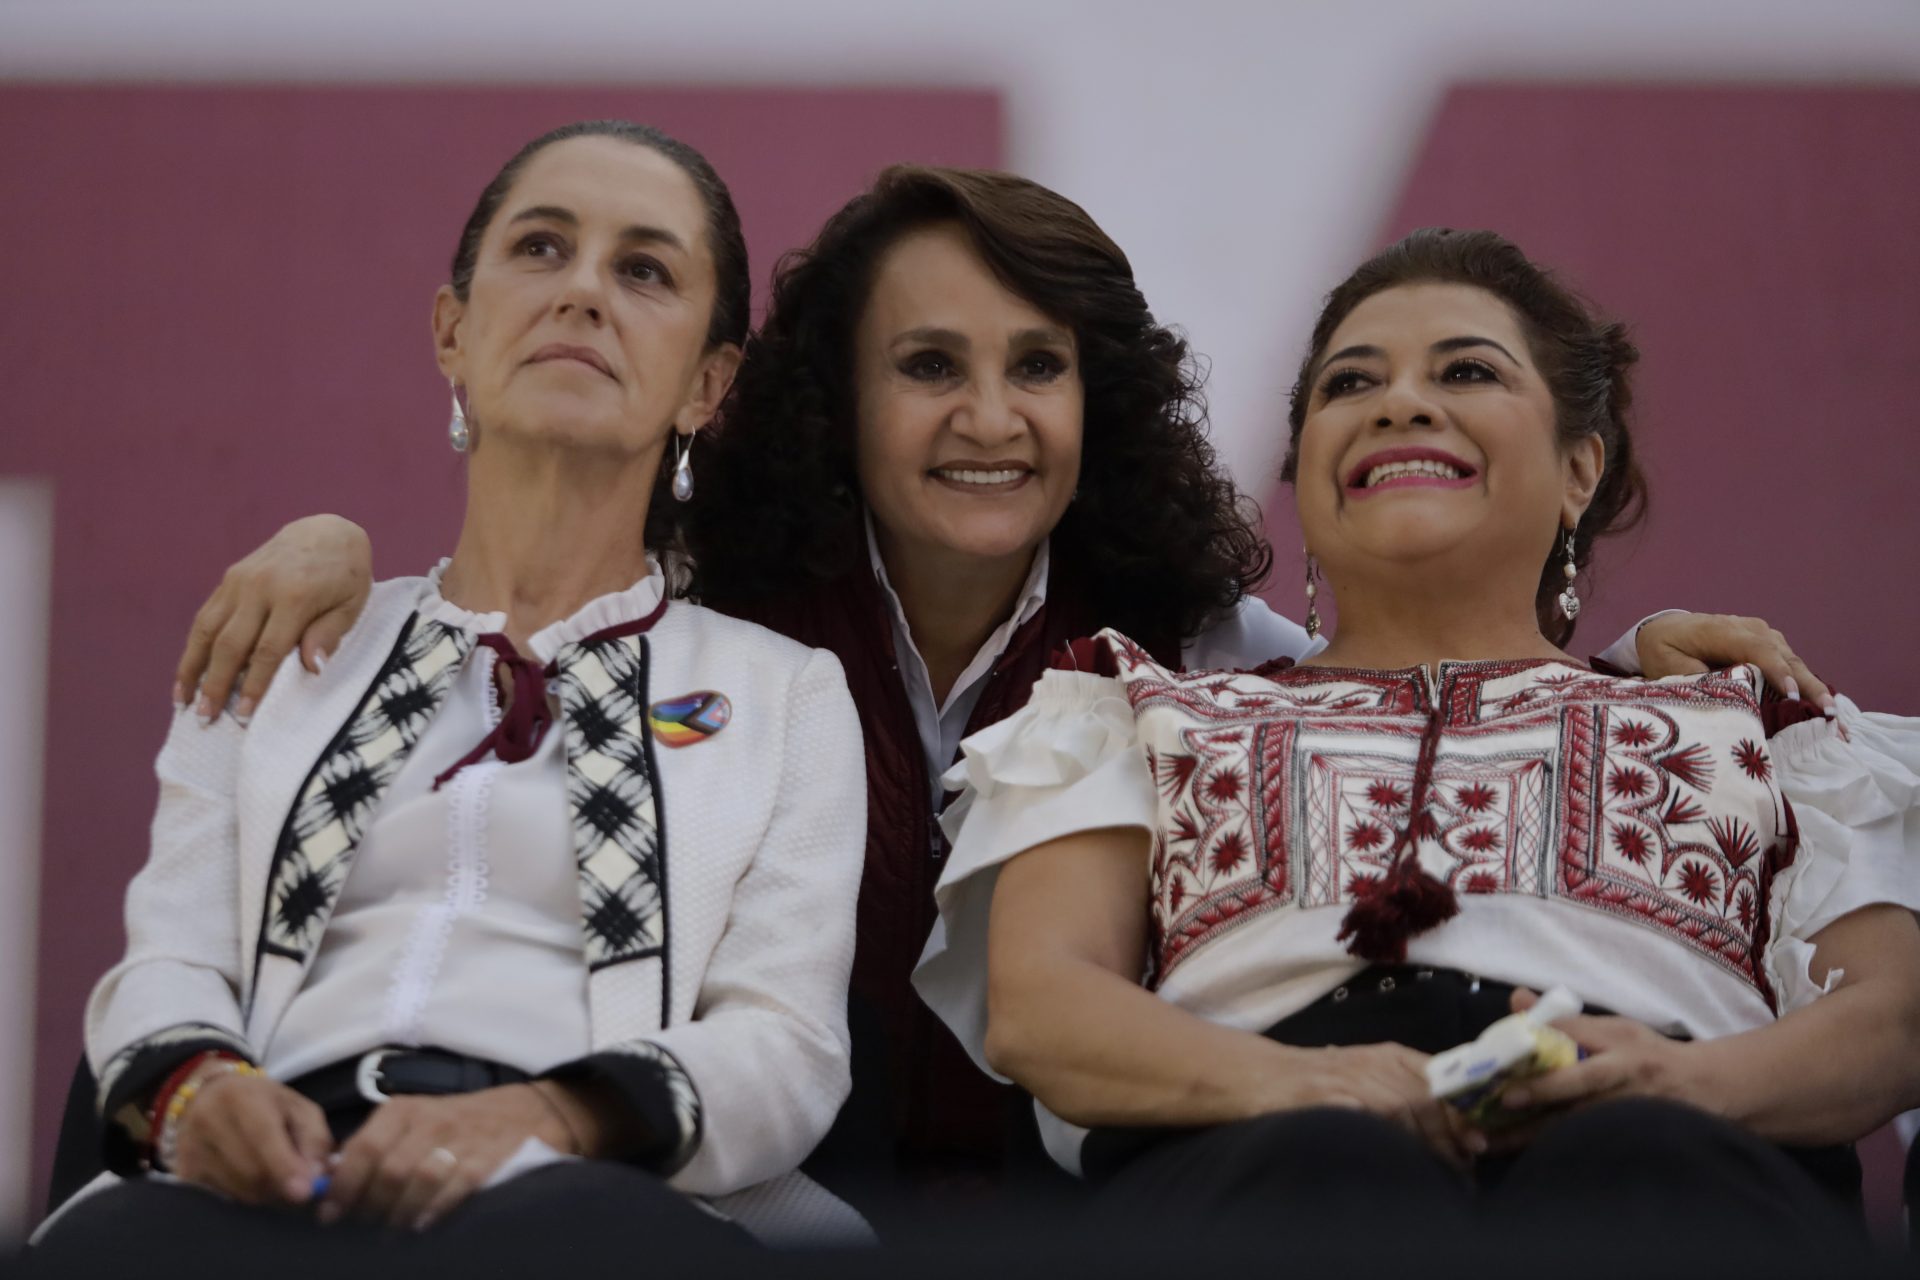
1637,1165
586,1218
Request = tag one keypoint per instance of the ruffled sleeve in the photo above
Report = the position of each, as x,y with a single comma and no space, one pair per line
1068,762
1854,784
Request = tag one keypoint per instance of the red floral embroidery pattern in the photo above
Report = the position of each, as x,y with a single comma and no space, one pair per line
1291,789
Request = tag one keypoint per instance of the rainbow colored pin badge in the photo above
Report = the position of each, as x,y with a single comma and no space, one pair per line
689,718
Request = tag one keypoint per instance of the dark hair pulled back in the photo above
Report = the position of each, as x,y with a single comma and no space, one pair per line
1586,362
733,285
1157,541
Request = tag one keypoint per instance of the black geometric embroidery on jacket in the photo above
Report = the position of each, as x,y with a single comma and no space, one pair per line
335,804
614,803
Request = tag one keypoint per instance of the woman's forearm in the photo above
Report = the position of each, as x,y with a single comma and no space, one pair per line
1096,1049
1830,1072
1838,1068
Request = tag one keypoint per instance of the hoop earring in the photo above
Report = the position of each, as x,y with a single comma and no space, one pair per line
457,434
683,470
1569,602
1313,593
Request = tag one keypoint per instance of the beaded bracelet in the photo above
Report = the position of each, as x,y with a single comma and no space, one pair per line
157,1109
167,1145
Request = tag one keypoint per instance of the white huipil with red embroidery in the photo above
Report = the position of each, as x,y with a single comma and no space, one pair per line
1642,842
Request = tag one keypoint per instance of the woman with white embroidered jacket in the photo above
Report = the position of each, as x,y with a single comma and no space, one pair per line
542,861
1329,871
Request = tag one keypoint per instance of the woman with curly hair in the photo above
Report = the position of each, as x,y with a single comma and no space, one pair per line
959,439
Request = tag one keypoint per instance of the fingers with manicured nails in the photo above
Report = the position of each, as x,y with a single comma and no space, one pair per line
275,642
324,636
193,661
231,649
1812,687
1771,653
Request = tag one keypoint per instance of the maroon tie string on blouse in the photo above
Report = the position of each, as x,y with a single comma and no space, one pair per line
1407,900
527,717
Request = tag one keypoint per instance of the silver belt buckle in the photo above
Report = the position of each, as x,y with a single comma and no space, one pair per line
366,1076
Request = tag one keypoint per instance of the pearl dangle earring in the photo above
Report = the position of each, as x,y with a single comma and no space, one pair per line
1569,602
1313,593
457,434
683,469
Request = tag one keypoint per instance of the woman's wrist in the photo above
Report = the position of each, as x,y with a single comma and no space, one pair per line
179,1094
1718,1077
1280,1075
573,1124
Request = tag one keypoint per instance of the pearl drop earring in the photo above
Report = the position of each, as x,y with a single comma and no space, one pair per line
683,470
457,434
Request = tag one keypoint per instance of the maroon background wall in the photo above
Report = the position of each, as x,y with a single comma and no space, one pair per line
216,317
1765,246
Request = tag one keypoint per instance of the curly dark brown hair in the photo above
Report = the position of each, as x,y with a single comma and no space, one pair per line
1158,541
1586,362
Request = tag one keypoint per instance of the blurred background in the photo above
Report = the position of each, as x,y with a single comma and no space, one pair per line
224,221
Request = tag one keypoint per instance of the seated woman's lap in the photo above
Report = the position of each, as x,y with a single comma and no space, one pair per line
1316,1165
1653,1163
1639,1164
579,1212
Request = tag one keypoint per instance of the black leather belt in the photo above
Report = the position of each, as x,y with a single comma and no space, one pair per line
375,1076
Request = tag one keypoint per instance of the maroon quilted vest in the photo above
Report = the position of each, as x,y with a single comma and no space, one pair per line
946,1115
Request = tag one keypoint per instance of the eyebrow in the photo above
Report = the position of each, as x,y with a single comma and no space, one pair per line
567,218
1361,352
1367,351
1455,344
937,337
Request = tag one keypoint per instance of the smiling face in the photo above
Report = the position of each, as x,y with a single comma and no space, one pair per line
1429,440
970,406
586,321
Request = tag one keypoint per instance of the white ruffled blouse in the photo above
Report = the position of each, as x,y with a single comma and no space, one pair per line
459,925
1642,842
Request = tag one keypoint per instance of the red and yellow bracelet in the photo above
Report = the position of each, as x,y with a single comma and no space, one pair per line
171,1101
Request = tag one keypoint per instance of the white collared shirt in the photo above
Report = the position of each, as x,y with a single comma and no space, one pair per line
942,725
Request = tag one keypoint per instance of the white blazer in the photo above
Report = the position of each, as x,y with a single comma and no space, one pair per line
717,904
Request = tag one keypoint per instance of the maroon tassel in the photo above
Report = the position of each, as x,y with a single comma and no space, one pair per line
1404,902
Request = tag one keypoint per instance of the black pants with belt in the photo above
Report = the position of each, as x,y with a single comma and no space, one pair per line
1637,1168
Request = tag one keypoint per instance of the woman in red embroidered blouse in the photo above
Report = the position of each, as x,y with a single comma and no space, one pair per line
1329,871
